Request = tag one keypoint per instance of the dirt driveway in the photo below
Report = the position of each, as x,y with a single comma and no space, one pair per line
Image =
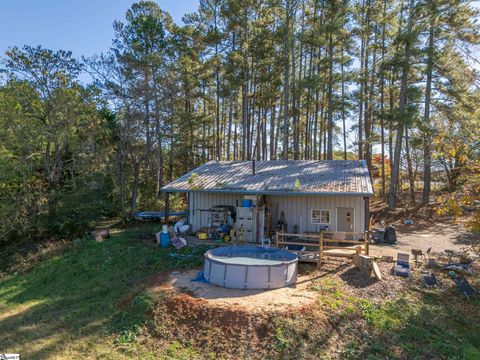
440,237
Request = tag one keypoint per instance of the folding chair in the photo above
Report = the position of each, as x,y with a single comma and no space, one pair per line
402,266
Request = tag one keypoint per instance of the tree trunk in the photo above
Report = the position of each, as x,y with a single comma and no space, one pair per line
369,118
427,157
286,79
330,98
244,89
392,200
272,132
382,99
217,91
343,112
136,180
411,175
360,99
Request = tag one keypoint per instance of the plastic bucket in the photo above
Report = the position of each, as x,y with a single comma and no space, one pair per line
247,203
164,239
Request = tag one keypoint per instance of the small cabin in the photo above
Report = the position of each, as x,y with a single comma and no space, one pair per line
262,197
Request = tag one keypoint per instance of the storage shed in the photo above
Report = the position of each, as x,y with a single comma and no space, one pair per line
295,195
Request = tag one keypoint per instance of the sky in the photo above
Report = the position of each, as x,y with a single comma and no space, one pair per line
81,26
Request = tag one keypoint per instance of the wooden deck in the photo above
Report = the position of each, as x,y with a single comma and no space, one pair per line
316,246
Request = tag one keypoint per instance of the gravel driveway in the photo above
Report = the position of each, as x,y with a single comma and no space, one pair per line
440,237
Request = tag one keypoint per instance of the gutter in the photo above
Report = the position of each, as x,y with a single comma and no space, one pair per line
266,192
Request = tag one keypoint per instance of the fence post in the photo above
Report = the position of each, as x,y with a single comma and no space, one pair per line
276,239
319,263
367,247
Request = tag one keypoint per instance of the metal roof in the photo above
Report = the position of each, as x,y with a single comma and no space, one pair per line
299,177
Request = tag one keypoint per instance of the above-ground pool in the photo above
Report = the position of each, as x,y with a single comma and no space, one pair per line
250,267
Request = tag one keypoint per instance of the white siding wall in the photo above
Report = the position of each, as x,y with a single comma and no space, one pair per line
202,201
297,208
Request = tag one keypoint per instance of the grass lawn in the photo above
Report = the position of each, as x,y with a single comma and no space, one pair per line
69,306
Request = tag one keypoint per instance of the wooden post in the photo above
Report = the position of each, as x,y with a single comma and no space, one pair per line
367,247
319,263
276,239
167,206
367,213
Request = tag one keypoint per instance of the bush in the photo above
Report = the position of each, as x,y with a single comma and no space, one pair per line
72,211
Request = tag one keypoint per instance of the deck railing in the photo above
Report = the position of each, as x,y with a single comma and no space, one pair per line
319,244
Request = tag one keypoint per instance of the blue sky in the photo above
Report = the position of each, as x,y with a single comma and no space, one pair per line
81,26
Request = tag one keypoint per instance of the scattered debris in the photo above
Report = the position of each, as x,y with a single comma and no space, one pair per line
181,256
181,226
429,279
390,235
432,262
458,267
452,253
376,271
378,235
179,242
100,234
464,287
416,254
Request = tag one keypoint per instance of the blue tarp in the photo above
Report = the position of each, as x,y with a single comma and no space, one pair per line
200,278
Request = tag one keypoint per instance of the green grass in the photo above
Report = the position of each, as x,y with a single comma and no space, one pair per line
434,326
69,303
67,307
420,324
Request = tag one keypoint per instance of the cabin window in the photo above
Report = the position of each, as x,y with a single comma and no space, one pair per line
320,216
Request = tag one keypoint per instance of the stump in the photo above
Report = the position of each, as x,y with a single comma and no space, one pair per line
100,234
364,263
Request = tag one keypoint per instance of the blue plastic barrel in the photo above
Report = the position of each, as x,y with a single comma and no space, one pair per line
247,203
164,239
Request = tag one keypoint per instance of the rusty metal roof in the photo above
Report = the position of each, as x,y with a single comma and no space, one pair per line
327,177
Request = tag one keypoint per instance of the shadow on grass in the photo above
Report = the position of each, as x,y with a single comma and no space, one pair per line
74,296
431,325
419,324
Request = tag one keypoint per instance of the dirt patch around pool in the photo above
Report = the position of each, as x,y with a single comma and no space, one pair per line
282,299
317,315
286,299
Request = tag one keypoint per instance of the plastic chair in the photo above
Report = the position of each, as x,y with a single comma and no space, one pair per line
402,266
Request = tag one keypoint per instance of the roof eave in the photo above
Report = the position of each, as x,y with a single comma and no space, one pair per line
266,192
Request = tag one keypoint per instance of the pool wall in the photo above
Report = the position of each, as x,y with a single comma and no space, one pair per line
257,268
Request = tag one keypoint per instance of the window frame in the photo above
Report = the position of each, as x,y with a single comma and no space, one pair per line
320,222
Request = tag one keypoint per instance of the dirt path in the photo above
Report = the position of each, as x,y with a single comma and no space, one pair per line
439,237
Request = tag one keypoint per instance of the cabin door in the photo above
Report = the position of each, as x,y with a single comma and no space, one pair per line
345,219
